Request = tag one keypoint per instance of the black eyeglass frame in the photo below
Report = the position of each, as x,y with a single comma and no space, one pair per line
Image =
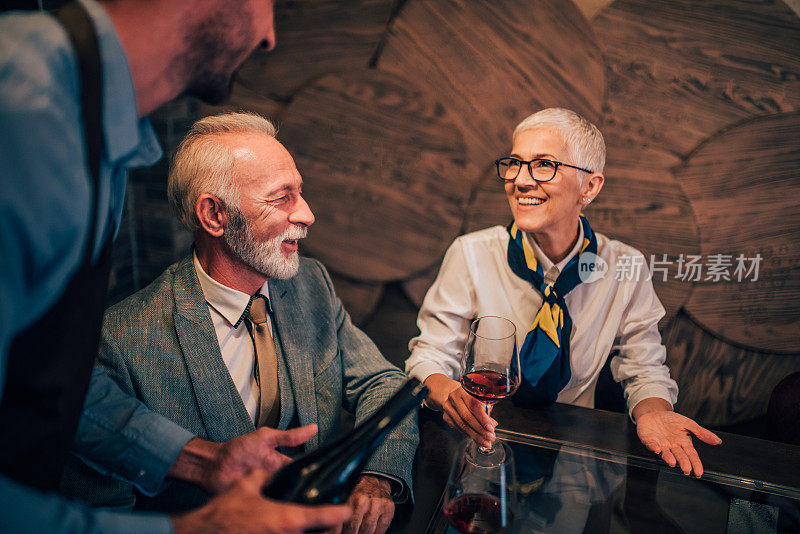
556,165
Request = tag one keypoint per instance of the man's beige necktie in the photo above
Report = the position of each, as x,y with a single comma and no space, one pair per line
266,371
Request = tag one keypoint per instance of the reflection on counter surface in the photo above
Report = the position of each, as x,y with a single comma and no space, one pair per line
596,485
569,490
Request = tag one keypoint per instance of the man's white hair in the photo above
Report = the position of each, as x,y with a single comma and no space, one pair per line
585,143
204,165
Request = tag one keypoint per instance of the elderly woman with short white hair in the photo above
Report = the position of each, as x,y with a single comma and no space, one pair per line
529,273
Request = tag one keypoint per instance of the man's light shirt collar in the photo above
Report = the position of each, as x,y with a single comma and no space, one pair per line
228,302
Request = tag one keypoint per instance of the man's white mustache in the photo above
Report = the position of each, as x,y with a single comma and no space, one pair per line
294,232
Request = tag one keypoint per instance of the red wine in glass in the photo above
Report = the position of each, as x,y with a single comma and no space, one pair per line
489,386
478,514
490,368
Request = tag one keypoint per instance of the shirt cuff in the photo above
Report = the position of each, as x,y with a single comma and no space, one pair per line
400,491
424,369
150,453
647,392
133,523
159,448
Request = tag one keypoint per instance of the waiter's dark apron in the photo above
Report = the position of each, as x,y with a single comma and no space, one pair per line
50,363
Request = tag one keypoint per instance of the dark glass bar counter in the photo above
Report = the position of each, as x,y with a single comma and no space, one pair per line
581,470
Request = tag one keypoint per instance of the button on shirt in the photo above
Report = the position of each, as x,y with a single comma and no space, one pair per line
607,314
227,307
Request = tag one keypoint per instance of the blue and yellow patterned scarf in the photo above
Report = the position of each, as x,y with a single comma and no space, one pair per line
544,356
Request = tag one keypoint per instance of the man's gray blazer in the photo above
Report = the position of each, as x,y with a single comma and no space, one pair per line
160,345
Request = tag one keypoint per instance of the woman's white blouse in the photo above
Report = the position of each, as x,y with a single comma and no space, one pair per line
618,311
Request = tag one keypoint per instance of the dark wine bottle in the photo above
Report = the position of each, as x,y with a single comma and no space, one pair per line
327,475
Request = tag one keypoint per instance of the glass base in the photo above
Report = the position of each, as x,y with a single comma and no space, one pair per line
482,457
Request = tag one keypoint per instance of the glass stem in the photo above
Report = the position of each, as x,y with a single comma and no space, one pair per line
490,449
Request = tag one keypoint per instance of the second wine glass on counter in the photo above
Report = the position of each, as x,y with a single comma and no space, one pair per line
490,371
481,499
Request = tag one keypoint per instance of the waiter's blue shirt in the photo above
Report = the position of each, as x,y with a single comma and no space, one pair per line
44,224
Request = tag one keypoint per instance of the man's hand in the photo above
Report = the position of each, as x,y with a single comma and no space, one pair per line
216,466
372,506
669,435
242,509
461,410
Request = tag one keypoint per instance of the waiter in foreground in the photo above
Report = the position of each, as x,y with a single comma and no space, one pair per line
74,90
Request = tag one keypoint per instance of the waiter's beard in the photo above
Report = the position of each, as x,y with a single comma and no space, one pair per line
216,45
264,257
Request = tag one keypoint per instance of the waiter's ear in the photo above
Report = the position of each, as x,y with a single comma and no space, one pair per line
211,214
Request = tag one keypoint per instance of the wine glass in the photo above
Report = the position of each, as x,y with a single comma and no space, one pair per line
490,368
481,499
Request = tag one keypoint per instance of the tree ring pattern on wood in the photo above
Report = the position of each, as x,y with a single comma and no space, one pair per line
316,37
497,62
384,173
744,187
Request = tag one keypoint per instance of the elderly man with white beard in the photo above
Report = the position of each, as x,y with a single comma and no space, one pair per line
243,332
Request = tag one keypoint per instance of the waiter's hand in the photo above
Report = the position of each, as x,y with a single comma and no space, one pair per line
372,506
242,509
461,410
669,434
216,466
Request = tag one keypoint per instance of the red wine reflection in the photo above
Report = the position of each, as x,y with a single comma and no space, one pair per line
478,514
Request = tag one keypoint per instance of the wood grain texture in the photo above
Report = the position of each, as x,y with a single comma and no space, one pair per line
316,37
417,287
681,70
720,384
488,205
744,187
244,99
590,8
646,211
496,62
678,72
393,325
383,168
359,299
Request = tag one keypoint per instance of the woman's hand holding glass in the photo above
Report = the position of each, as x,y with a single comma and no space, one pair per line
460,410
